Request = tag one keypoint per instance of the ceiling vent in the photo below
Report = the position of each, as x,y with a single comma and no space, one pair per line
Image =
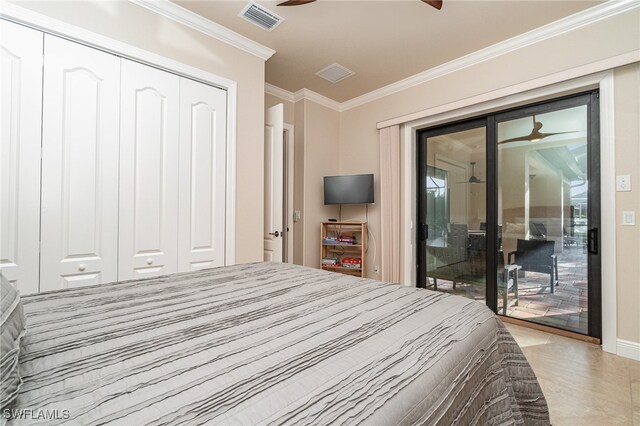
335,73
260,16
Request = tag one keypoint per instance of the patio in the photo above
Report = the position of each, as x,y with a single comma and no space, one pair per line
566,308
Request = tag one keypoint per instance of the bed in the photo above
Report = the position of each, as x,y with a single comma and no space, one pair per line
271,343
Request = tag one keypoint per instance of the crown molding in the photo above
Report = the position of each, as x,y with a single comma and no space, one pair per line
40,22
312,96
302,94
199,23
573,78
561,26
279,93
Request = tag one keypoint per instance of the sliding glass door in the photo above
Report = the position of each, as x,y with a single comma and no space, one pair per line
452,164
508,212
548,204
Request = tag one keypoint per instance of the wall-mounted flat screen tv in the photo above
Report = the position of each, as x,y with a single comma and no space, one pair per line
348,189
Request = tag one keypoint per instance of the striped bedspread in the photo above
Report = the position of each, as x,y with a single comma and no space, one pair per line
271,344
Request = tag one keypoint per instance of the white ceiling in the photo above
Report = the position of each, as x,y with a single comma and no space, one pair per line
382,41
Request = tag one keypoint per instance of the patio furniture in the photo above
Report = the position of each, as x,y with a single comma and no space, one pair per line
451,260
447,263
508,281
536,256
537,231
458,235
461,273
571,240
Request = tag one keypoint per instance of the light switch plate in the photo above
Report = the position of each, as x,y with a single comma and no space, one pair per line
623,183
628,218
296,215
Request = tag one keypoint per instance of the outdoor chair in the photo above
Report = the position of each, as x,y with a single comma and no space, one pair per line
537,231
536,256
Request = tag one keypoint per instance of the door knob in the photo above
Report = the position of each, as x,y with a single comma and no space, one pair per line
82,267
276,234
149,261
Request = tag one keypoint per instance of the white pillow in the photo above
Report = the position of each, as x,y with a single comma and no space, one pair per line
12,328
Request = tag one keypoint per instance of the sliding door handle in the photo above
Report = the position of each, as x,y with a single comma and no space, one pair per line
424,232
592,241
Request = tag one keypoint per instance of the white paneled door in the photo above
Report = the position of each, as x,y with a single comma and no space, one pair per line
79,241
201,230
273,184
149,142
21,101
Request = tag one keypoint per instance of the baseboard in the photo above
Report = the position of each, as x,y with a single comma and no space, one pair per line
628,349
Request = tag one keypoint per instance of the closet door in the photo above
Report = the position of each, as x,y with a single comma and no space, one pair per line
79,166
203,117
21,104
148,172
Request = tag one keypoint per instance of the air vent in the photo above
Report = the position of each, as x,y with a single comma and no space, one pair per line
335,73
260,16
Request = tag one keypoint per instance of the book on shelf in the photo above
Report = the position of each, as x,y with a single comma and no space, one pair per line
343,247
351,262
335,242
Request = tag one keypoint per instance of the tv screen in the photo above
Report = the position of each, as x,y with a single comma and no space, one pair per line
350,189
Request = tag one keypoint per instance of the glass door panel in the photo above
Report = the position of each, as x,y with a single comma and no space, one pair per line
543,204
453,206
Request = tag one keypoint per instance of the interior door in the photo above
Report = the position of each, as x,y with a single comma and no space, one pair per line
273,184
201,215
79,165
149,137
21,104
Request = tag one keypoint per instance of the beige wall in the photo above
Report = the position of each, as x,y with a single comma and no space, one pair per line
315,156
321,139
614,36
131,24
627,135
358,133
299,182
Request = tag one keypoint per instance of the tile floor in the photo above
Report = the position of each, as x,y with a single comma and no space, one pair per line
582,384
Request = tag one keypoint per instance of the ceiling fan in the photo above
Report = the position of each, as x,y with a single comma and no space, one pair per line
435,3
473,178
535,135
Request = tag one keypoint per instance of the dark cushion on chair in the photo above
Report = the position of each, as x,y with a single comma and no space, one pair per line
535,255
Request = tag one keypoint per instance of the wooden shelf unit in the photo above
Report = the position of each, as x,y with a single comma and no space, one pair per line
340,251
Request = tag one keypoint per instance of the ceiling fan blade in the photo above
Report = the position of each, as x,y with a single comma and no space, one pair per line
435,3
295,2
534,137
518,139
544,135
